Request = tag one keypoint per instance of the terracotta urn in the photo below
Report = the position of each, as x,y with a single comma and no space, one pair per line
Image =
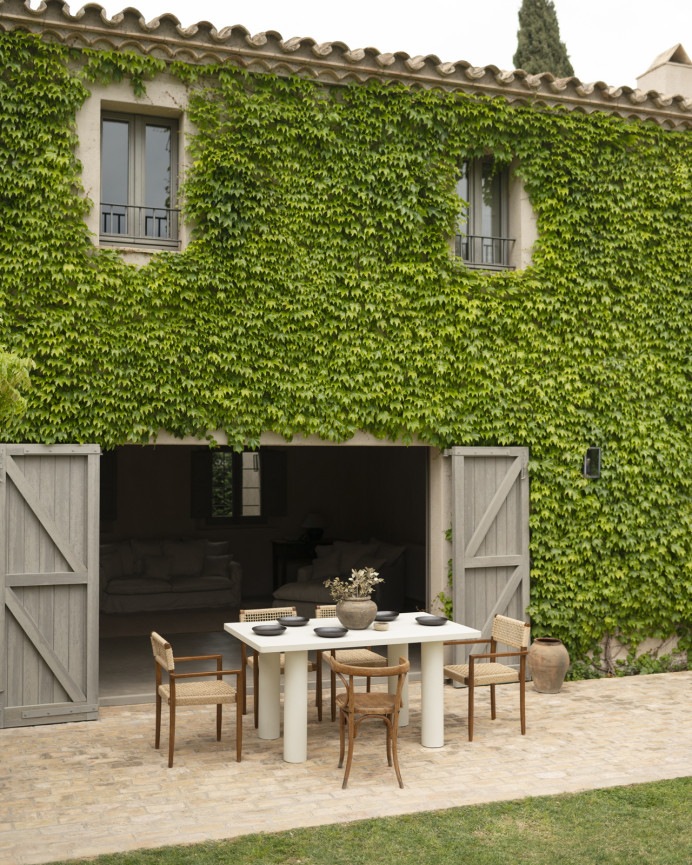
548,661
356,614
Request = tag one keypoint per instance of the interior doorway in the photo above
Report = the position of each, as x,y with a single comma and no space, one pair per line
151,492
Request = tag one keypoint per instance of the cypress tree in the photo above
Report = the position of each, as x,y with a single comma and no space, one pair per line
539,48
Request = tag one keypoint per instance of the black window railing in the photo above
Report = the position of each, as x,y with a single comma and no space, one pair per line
129,224
489,253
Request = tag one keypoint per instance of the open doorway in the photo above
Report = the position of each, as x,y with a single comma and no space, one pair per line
153,503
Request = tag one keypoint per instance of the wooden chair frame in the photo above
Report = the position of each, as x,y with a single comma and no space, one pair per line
356,708
357,657
470,679
174,677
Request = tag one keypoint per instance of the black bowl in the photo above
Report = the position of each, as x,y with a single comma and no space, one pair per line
331,632
268,630
386,616
293,621
431,620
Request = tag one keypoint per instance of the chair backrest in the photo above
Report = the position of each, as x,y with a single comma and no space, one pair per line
347,670
163,654
511,632
325,611
265,614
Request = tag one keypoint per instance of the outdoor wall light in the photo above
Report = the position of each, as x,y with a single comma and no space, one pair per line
592,463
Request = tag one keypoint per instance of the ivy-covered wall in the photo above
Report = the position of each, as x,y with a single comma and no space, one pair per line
319,296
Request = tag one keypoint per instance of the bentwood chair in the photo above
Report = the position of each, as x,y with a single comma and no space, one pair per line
509,632
357,706
188,693
354,657
270,614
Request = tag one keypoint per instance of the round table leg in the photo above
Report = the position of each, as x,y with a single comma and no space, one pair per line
296,707
269,721
432,695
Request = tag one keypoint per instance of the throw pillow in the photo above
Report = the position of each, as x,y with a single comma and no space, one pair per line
142,549
187,557
157,567
326,567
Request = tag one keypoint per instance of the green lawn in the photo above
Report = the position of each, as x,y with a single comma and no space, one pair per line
646,824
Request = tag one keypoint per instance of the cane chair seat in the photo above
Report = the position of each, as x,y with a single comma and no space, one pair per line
351,657
484,674
180,691
200,693
360,658
376,702
251,661
510,632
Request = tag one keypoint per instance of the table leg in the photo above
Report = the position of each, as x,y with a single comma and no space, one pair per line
393,655
296,707
269,721
432,695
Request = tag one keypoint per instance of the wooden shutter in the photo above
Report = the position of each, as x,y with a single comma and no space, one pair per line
490,535
49,525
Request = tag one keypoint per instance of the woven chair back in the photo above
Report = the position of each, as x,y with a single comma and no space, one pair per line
265,614
511,632
325,611
163,654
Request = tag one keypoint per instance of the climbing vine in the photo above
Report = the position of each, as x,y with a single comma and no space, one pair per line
318,296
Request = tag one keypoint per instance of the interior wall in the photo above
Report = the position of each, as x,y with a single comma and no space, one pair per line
361,492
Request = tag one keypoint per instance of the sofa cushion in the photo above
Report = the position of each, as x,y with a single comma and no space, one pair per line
312,591
218,548
110,567
186,557
216,566
199,584
157,567
137,586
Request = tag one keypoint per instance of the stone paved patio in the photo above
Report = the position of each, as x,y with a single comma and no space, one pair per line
80,789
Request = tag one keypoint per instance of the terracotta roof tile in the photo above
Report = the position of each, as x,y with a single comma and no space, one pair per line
332,62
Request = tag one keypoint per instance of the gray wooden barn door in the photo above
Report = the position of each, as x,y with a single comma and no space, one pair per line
49,523
490,535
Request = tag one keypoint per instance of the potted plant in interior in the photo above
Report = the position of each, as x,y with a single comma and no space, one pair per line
355,609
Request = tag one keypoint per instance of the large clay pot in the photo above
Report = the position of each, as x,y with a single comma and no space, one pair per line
548,662
356,613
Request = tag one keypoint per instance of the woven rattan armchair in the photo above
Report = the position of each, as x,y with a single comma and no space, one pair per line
509,632
270,614
188,693
357,706
354,657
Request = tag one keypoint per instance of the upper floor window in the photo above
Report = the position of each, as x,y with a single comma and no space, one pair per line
482,238
139,167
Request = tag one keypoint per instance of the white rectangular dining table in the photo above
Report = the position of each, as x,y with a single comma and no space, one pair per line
297,642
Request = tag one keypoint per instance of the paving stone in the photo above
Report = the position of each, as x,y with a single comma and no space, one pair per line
86,788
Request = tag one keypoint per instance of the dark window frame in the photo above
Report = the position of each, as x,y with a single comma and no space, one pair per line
272,486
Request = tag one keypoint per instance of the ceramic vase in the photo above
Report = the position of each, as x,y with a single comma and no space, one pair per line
356,614
548,661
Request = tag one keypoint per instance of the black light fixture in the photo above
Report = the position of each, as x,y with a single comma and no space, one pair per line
592,463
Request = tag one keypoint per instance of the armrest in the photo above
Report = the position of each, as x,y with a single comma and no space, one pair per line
500,654
200,658
465,642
